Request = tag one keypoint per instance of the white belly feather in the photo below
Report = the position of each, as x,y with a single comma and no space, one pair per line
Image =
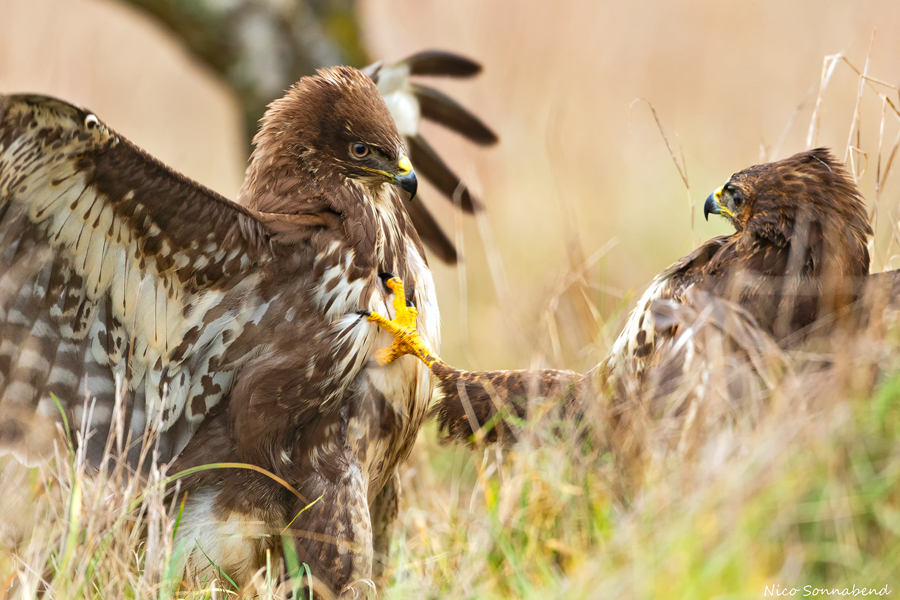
394,380
341,301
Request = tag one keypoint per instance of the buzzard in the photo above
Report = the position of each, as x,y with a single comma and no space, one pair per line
230,330
798,255
798,259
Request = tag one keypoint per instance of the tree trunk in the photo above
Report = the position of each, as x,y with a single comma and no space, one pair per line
261,47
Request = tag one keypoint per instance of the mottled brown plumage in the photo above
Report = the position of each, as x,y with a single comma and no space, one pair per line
488,404
798,254
796,264
233,331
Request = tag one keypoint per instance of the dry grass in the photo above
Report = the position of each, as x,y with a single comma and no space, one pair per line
71,530
795,486
798,486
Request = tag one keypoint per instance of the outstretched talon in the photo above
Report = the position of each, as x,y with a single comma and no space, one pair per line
406,337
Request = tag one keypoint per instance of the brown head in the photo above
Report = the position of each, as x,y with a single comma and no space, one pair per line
329,127
808,195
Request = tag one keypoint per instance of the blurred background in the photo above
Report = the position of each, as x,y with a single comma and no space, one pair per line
584,201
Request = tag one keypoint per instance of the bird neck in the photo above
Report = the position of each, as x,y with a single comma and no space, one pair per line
277,184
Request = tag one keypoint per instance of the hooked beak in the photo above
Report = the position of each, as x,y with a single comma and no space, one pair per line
712,205
406,177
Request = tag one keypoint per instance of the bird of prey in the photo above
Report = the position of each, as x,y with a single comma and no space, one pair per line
798,254
410,102
798,258
231,330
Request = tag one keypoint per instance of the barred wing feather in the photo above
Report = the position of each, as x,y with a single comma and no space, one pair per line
113,267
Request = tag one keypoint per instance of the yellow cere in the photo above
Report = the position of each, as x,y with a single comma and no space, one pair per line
717,195
404,165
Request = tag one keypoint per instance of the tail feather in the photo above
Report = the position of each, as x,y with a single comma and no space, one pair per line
441,64
440,108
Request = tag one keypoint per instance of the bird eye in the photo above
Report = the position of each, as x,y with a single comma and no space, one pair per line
738,200
359,150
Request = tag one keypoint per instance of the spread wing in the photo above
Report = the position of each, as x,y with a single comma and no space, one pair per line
409,103
632,349
777,279
113,268
706,348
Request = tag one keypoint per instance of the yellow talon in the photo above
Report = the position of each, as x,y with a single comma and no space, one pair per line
406,337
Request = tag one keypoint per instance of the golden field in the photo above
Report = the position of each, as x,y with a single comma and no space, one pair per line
587,197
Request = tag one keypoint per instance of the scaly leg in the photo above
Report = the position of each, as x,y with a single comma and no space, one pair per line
406,337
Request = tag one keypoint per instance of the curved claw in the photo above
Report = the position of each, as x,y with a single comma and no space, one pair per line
406,337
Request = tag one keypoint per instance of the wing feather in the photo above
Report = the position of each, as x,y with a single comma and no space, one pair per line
430,232
109,264
631,352
430,165
440,63
441,108
409,103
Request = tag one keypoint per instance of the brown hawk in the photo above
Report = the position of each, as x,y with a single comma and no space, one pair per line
798,260
231,331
